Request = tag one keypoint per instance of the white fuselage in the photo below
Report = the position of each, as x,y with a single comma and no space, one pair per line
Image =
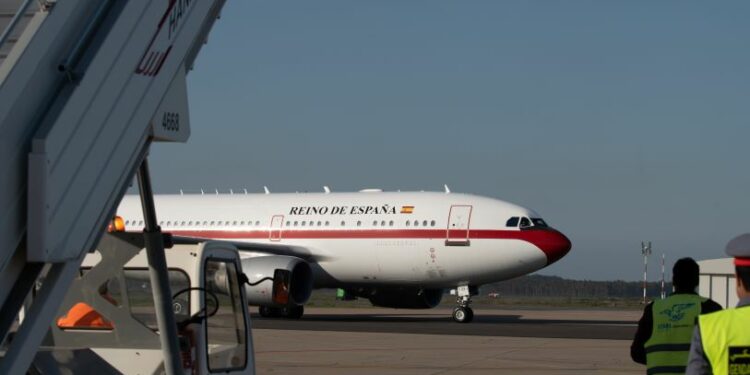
424,239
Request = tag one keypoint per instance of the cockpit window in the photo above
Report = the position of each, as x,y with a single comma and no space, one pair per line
525,223
538,222
512,222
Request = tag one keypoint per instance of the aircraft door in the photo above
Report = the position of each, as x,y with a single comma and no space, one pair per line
459,218
277,221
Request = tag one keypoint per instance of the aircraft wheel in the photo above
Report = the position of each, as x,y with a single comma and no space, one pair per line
269,312
463,314
292,312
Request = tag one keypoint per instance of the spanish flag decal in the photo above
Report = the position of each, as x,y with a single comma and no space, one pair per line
407,209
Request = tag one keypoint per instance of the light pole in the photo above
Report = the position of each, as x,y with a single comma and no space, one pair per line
663,292
646,251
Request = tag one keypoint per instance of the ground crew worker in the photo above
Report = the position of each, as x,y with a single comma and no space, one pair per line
662,341
721,341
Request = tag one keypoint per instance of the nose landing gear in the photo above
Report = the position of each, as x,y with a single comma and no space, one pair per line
463,313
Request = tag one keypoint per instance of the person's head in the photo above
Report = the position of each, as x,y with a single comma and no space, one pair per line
685,275
743,281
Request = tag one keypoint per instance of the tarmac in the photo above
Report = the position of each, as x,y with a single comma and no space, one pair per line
386,341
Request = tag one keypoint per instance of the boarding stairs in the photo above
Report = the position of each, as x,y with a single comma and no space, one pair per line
85,87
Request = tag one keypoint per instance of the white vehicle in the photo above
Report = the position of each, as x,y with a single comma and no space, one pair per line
398,249
107,322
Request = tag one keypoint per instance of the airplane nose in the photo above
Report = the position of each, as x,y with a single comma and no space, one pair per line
553,243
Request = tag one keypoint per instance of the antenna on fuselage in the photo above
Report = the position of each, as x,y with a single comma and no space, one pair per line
265,188
447,189
202,192
245,191
231,192
326,189
217,191
181,192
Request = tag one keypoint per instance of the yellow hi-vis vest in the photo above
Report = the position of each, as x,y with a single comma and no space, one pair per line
669,346
725,336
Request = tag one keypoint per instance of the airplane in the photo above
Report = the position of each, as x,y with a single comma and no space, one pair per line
397,249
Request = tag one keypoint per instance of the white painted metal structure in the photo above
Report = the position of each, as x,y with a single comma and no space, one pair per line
718,282
80,86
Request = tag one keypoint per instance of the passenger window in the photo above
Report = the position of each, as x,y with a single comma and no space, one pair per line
375,223
257,223
408,223
287,223
190,223
243,223
234,223
432,223
424,223
295,223
512,222
319,223
140,222
343,223
359,223
303,223
390,223
382,223
525,223
327,223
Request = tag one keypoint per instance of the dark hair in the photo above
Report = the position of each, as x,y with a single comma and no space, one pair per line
685,274
743,273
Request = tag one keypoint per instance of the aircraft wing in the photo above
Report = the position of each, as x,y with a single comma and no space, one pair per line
255,247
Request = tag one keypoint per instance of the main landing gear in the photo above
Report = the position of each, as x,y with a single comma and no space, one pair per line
286,312
463,313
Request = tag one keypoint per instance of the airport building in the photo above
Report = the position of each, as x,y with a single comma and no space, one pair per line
717,281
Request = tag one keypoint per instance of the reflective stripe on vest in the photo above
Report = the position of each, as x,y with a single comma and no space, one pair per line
725,336
674,320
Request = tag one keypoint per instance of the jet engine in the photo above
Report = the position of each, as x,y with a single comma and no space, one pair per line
406,298
277,280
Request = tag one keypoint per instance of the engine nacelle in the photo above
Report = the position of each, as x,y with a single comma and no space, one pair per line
404,298
288,280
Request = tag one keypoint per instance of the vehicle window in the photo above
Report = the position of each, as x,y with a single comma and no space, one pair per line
140,300
359,223
416,223
225,330
525,223
424,223
375,223
343,223
512,222
538,222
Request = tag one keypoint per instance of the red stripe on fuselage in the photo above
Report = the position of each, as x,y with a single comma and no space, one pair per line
553,243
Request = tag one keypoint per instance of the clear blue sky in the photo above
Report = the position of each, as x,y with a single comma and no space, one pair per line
617,121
